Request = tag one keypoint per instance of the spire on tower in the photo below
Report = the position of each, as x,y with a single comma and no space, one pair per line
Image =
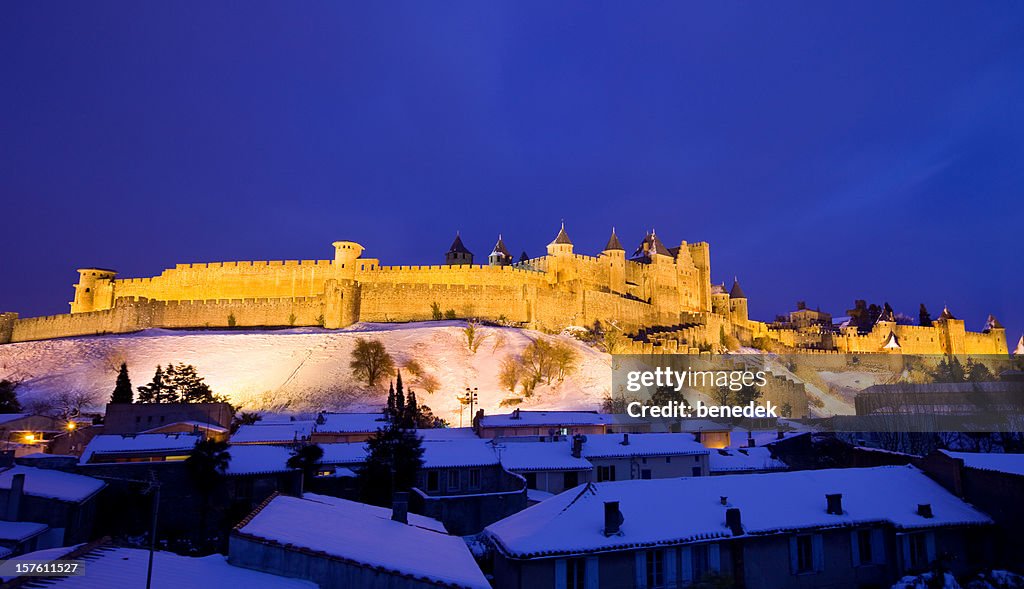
614,243
736,292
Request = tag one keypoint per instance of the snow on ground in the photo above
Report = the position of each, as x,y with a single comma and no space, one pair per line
304,369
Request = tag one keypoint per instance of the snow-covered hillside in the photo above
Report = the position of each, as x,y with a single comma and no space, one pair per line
303,369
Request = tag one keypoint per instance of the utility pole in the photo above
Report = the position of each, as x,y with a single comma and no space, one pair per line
154,489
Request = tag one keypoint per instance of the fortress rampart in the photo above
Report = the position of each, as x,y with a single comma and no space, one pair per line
655,287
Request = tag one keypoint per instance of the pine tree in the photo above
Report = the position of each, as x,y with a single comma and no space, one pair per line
399,399
154,391
389,412
412,411
123,389
394,455
184,385
924,317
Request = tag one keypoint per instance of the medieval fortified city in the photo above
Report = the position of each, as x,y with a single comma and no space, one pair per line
511,295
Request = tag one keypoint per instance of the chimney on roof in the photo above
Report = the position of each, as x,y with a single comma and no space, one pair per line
577,445
750,441
724,500
625,439
6,458
400,507
834,503
778,435
925,510
612,518
14,497
733,522
515,414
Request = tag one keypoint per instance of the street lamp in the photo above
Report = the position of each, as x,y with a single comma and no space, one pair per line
472,396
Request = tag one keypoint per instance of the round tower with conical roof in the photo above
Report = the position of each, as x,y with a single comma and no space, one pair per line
738,312
614,256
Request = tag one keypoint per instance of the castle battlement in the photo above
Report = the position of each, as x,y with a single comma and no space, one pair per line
655,287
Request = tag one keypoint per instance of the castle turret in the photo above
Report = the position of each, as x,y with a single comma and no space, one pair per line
738,303
500,256
458,254
1020,347
562,245
345,255
94,291
615,256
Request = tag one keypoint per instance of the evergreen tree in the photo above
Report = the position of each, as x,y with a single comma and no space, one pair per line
978,372
307,459
924,317
184,385
412,411
123,389
394,457
154,391
389,412
399,400
8,397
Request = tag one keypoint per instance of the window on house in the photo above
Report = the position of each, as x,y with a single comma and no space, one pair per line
699,561
433,481
453,480
474,478
696,458
804,554
655,573
575,573
696,471
864,546
570,479
645,474
668,460
605,473
531,480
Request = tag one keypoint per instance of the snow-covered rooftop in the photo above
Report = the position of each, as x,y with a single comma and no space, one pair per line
6,417
420,521
281,432
20,531
344,453
53,484
132,443
253,459
673,511
529,456
611,445
740,459
458,453
446,433
350,422
126,567
202,426
1006,463
366,535
542,418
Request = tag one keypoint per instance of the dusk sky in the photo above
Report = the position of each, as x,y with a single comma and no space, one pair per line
827,153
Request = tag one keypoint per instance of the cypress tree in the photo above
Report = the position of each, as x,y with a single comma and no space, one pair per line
412,411
399,399
123,389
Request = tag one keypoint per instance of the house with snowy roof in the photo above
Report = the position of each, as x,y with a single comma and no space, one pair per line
541,423
842,528
329,428
339,544
212,419
750,459
618,457
993,482
463,484
63,503
25,433
114,448
274,432
548,467
111,567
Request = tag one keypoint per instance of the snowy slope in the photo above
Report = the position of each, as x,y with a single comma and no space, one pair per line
303,369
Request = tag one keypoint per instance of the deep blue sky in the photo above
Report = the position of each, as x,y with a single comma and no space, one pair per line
871,150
